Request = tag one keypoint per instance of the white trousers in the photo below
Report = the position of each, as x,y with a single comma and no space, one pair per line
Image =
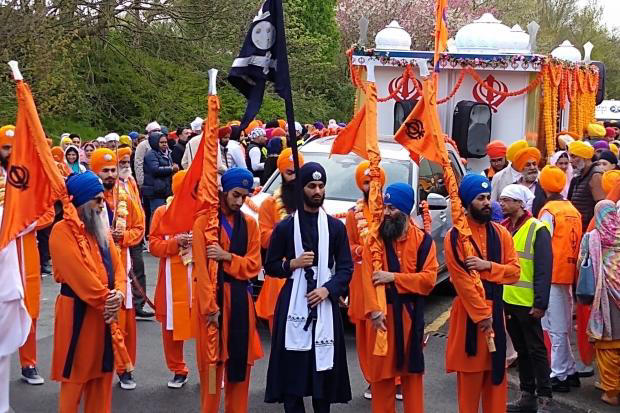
557,323
5,372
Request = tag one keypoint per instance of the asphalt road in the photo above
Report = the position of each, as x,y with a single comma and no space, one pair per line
151,373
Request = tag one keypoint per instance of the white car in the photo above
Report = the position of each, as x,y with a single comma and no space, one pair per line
341,192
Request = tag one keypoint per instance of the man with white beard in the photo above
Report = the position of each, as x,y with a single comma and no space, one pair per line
92,292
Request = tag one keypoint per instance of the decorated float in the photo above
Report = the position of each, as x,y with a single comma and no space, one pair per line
492,85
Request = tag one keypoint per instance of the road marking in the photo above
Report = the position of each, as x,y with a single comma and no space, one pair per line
438,322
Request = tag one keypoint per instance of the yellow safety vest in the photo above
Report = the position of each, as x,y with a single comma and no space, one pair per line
522,293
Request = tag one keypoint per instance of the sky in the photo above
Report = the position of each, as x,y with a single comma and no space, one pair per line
612,11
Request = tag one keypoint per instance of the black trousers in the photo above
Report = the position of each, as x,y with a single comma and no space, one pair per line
294,404
527,337
137,267
43,245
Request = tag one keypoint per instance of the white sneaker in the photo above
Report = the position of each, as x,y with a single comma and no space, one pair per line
368,393
177,381
31,376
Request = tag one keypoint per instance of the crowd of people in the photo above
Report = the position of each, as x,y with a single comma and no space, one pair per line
545,241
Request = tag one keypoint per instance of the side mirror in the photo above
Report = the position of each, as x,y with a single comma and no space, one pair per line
436,202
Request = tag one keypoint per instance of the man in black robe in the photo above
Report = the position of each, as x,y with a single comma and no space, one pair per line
295,374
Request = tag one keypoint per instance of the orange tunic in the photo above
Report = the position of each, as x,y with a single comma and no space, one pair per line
408,281
268,218
242,268
87,277
471,300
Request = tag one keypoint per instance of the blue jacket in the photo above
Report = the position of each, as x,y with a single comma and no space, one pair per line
157,170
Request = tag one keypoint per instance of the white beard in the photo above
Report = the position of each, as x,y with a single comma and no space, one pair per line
124,173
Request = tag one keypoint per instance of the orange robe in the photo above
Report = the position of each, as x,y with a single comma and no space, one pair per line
82,269
242,268
134,233
474,373
382,370
31,277
268,218
173,271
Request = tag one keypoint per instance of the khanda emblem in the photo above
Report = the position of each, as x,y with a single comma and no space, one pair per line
486,96
573,239
415,129
408,91
19,177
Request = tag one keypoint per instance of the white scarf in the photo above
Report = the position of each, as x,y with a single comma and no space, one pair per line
295,338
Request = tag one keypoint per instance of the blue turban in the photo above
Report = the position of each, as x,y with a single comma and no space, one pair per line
401,196
237,178
83,187
472,186
312,171
274,146
133,135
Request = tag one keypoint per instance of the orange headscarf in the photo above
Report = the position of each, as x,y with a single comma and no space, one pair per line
362,171
58,154
102,158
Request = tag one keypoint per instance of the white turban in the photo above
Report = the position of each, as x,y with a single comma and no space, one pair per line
519,193
153,126
112,137
101,139
197,124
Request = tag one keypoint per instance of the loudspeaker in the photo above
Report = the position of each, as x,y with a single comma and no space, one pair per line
402,109
471,128
600,96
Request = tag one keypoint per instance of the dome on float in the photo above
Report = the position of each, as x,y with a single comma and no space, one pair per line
484,35
393,37
566,51
518,41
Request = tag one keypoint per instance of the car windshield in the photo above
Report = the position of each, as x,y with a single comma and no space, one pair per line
340,171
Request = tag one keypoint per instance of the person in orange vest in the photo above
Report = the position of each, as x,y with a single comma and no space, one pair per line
357,230
564,224
173,293
127,223
478,308
409,273
273,210
93,288
228,304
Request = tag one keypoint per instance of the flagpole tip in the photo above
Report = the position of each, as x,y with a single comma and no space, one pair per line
213,82
17,75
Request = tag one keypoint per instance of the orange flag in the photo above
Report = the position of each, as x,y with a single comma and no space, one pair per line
33,181
353,137
441,29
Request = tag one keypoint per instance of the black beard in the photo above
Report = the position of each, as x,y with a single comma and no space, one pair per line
4,162
312,203
483,215
393,227
287,194
366,195
108,185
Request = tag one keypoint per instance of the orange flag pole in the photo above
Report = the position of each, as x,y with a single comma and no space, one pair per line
208,193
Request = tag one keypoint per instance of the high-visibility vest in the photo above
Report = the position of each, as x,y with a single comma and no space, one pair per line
522,293
565,240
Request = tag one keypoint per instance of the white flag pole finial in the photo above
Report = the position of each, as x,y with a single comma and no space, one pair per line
213,82
17,75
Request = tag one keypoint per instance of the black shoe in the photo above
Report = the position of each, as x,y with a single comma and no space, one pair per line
125,380
585,374
177,381
560,386
46,270
573,380
31,376
527,403
142,313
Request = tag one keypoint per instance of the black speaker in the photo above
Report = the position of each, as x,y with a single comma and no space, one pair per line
471,128
402,109
600,96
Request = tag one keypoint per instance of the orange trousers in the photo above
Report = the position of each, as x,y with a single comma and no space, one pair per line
608,361
131,340
97,395
361,333
476,387
384,394
28,352
236,394
173,351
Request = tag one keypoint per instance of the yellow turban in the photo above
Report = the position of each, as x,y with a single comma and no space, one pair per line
514,148
581,149
552,179
524,155
177,181
361,172
613,148
66,141
125,140
596,130
102,158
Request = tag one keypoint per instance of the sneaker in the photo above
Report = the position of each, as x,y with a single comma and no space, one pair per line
46,270
125,380
560,386
547,405
399,392
177,381
31,376
368,393
142,313
526,403
573,380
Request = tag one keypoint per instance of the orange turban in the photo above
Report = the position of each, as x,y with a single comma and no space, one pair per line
58,154
362,171
514,148
278,132
177,180
282,123
525,155
253,125
7,133
610,180
102,158
496,149
122,152
285,160
552,179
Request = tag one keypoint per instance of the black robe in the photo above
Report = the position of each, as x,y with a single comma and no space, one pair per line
294,372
